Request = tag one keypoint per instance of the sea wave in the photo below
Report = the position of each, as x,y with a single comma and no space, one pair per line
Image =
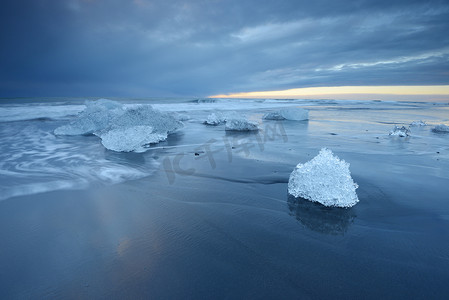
11,113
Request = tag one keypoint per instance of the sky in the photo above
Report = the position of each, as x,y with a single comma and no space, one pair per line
144,48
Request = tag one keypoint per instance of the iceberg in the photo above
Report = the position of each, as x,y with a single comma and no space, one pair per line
400,131
441,128
241,124
325,179
418,123
295,114
122,129
273,116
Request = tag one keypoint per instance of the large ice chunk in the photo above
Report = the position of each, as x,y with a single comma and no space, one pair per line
241,124
441,128
325,179
400,131
130,129
134,138
137,128
96,116
295,114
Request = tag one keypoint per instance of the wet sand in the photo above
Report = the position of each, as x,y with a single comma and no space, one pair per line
228,232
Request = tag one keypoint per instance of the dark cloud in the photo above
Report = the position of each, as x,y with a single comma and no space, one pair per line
199,48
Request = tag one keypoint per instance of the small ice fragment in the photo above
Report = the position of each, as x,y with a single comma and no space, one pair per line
273,116
295,114
215,119
400,131
241,124
418,123
325,179
441,128
127,139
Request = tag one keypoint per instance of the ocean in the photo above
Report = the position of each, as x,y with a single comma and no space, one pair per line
206,213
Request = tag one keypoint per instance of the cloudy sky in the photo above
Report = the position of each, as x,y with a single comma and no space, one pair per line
201,48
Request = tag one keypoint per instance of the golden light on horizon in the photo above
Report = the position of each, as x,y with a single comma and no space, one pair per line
417,90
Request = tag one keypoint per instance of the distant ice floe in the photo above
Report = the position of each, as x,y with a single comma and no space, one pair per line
400,131
325,179
418,123
441,128
294,114
122,129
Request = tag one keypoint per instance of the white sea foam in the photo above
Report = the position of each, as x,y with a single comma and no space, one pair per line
33,161
325,179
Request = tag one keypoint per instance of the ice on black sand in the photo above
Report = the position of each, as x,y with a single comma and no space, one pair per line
325,179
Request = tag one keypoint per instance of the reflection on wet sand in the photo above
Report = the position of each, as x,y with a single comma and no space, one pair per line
317,217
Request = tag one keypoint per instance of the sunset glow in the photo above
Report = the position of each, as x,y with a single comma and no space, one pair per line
440,92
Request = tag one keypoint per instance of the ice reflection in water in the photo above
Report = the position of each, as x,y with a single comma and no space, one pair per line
317,217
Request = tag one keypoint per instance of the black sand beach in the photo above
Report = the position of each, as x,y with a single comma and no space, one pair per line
215,221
